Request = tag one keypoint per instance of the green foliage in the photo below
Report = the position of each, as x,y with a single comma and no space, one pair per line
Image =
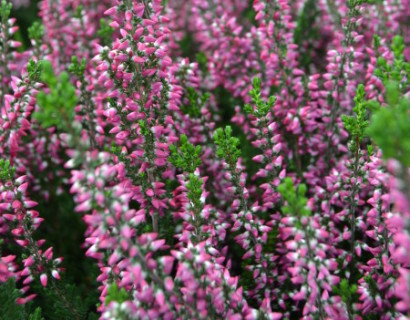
57,106
262,107
227,145
36,31
34,70
187,156
194,187
78,12
5,10
390,128
116,294
202,60
377,42
105,32
6,170
196,103
187,46
144,127
8,307
295,198
64,301
398,46
355,3
356,125
346,291
398,70
77,68
36,315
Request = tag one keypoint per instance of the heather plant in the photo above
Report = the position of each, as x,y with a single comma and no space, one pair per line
211,159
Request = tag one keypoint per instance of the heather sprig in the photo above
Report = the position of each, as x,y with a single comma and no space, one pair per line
389,127
356,125
6,170
227,146
295,198
262,106
105,32
36,32
196,103
187,156
57,106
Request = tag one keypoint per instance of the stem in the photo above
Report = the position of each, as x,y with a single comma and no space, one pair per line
155,222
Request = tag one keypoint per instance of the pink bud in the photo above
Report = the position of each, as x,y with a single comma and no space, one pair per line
43,280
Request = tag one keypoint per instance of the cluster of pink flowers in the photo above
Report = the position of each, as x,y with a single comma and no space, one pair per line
296,220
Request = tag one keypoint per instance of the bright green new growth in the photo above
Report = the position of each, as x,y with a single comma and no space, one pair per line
295,199
143,127
202,60
389,127
194,187
262,107
36,31
36,315
5,10
397,71
105,32
356,125
196,103
56,106
76,67
227,146
187,157
116,294
34,70
6,170
346,291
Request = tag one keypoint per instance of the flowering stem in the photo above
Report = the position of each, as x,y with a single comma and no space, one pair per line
311,258
355,189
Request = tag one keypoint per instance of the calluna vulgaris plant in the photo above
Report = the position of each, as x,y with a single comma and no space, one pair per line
186,159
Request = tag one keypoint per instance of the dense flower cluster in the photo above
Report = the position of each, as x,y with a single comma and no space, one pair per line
229,159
